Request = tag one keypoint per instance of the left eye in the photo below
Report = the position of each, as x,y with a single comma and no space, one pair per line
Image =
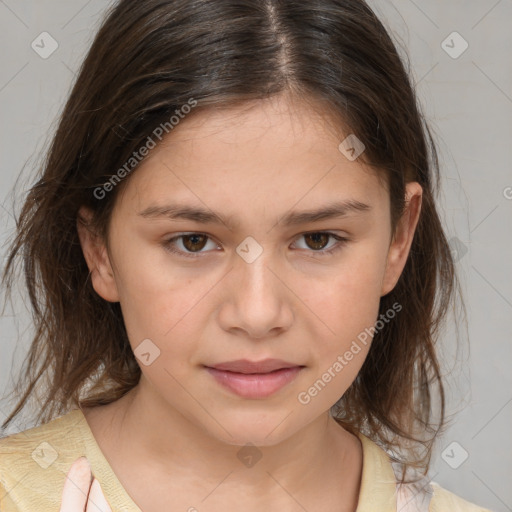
319,239
193,243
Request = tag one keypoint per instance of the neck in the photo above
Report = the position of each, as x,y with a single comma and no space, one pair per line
159,439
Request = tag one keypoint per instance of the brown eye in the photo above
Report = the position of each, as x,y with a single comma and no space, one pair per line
317,241
189,245
194,242
316,244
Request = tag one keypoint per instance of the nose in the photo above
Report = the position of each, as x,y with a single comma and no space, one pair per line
257,301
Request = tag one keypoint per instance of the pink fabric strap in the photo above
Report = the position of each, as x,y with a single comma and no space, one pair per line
412,497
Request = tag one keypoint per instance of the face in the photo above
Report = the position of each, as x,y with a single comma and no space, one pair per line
256,276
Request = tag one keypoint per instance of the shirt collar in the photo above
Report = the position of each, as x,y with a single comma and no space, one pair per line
377,491
378,482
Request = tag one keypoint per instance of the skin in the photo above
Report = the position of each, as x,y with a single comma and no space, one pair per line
82,492
179,431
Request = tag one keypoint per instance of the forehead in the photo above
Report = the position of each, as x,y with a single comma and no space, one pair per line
281,120
274,152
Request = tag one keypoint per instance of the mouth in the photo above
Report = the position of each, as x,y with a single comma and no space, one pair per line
251,379
246,366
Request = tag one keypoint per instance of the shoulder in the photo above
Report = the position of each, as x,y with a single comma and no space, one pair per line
34,463
443,500
381,490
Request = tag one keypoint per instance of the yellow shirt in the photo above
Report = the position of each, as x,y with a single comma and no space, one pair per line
34,464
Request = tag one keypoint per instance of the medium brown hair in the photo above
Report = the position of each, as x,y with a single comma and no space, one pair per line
148,59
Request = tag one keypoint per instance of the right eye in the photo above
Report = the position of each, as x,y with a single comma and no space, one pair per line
192,243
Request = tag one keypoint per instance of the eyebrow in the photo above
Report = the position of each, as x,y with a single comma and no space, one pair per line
334,210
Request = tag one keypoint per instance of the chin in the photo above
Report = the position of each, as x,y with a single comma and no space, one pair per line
250,428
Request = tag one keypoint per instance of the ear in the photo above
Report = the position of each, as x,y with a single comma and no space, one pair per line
402,240
97,258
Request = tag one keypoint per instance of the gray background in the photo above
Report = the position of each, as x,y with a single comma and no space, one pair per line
468,102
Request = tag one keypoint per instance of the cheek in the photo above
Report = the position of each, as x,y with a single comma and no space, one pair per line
346,308
159,300
351,295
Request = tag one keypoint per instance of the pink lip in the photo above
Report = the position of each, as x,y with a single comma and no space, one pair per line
250,379
247,366
255,385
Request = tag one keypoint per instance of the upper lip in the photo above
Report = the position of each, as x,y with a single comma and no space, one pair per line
247,366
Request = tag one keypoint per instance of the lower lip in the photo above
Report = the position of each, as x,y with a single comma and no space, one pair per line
255,385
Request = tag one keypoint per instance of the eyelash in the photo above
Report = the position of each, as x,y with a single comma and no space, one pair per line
342,241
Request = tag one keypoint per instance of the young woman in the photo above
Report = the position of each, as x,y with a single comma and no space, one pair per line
237,271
